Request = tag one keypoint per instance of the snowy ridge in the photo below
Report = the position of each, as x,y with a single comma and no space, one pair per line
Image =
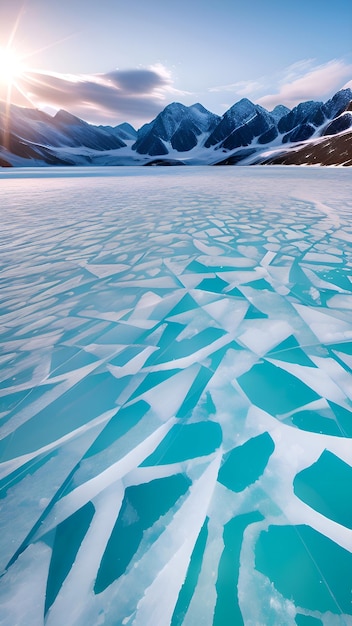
245,134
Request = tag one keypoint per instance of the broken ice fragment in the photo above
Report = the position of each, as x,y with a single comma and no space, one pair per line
141,507
125,419
327,487
307,620
191,579
323,422
194,394
86,400
243,465
306,567
216,284
289,350
186,441
274,390
65,541
227,609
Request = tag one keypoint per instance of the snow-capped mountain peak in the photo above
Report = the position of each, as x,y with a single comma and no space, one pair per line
246,133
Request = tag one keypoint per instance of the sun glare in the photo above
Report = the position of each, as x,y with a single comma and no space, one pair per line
10,66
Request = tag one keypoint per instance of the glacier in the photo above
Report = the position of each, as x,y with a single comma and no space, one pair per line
176,396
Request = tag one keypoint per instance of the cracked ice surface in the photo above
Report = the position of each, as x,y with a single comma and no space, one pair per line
176,397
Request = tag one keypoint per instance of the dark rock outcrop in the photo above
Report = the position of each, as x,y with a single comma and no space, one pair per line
178,125
334,150
338,125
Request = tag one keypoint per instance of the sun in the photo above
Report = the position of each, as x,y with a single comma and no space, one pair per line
11,66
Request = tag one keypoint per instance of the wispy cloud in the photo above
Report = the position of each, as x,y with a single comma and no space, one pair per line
241,88
304,81
134,95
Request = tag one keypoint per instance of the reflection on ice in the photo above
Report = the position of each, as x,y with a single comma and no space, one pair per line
176,398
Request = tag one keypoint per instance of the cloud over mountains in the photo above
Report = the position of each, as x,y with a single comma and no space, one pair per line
137,93
305,81
301,81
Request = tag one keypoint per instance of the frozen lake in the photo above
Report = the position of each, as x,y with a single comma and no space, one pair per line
176,397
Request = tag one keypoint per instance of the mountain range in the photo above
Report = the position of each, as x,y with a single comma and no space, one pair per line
311,133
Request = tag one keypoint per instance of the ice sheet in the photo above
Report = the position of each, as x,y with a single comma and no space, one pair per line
175,396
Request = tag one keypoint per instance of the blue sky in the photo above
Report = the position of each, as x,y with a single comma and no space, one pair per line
110,61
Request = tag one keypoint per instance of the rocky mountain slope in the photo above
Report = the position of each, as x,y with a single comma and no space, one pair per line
310,133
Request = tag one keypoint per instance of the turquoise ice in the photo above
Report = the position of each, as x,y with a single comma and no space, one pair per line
176,396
